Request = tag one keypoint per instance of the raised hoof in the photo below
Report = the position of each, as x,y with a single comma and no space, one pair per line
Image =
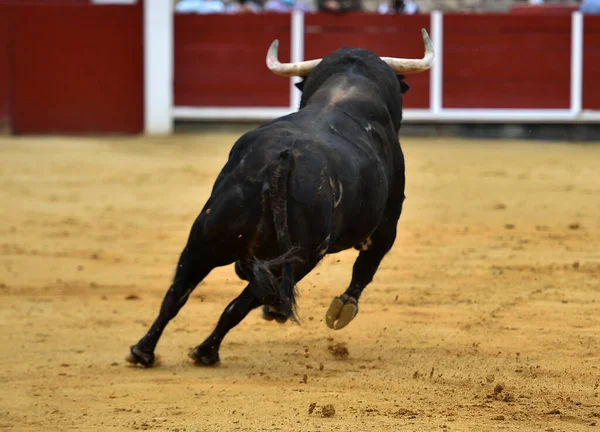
341,311
205,356
270,313
136,356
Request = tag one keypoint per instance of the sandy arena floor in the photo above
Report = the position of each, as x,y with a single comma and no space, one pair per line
485,315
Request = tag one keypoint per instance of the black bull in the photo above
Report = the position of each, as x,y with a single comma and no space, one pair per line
324,179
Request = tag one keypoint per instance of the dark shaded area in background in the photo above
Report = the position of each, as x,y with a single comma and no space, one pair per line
539,131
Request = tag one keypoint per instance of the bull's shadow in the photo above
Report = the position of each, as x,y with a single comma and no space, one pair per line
321,180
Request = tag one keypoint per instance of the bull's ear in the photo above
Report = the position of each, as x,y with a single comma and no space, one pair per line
403,86
300,85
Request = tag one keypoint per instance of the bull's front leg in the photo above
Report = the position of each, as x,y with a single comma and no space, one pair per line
344,308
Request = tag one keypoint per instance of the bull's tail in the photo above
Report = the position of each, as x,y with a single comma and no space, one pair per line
281,291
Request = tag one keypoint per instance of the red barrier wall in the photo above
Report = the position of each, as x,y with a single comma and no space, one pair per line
386,35
220,60
69,67
83,72
44,2
506,61
591,62
5,76
237,45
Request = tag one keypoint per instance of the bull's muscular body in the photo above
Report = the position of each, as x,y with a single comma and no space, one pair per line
324,179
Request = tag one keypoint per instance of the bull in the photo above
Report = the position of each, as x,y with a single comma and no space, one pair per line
321,180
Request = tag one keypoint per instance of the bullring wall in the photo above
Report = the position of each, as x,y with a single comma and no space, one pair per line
71,67
75,67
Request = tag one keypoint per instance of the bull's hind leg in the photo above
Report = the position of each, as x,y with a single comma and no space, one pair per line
244,270
271,312
344,308
195,263
207,353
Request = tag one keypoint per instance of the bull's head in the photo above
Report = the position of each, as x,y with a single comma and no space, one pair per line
399,65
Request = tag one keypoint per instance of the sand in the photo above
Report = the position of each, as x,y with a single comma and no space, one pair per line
484,316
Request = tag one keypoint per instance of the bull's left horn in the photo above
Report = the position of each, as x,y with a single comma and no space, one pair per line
410,66
300,69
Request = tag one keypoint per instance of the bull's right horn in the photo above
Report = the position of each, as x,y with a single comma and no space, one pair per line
410,66
300,69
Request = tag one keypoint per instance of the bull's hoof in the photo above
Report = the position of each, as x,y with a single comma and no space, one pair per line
270,313
205,355
137,356
341,311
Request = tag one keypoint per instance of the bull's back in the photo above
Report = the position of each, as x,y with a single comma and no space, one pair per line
343,182
338,181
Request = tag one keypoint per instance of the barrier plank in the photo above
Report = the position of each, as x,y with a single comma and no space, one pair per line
5,75
591,62
506,61
78,69
220,60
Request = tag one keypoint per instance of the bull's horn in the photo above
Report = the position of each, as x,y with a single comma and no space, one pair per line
410,66
399,65
288,69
